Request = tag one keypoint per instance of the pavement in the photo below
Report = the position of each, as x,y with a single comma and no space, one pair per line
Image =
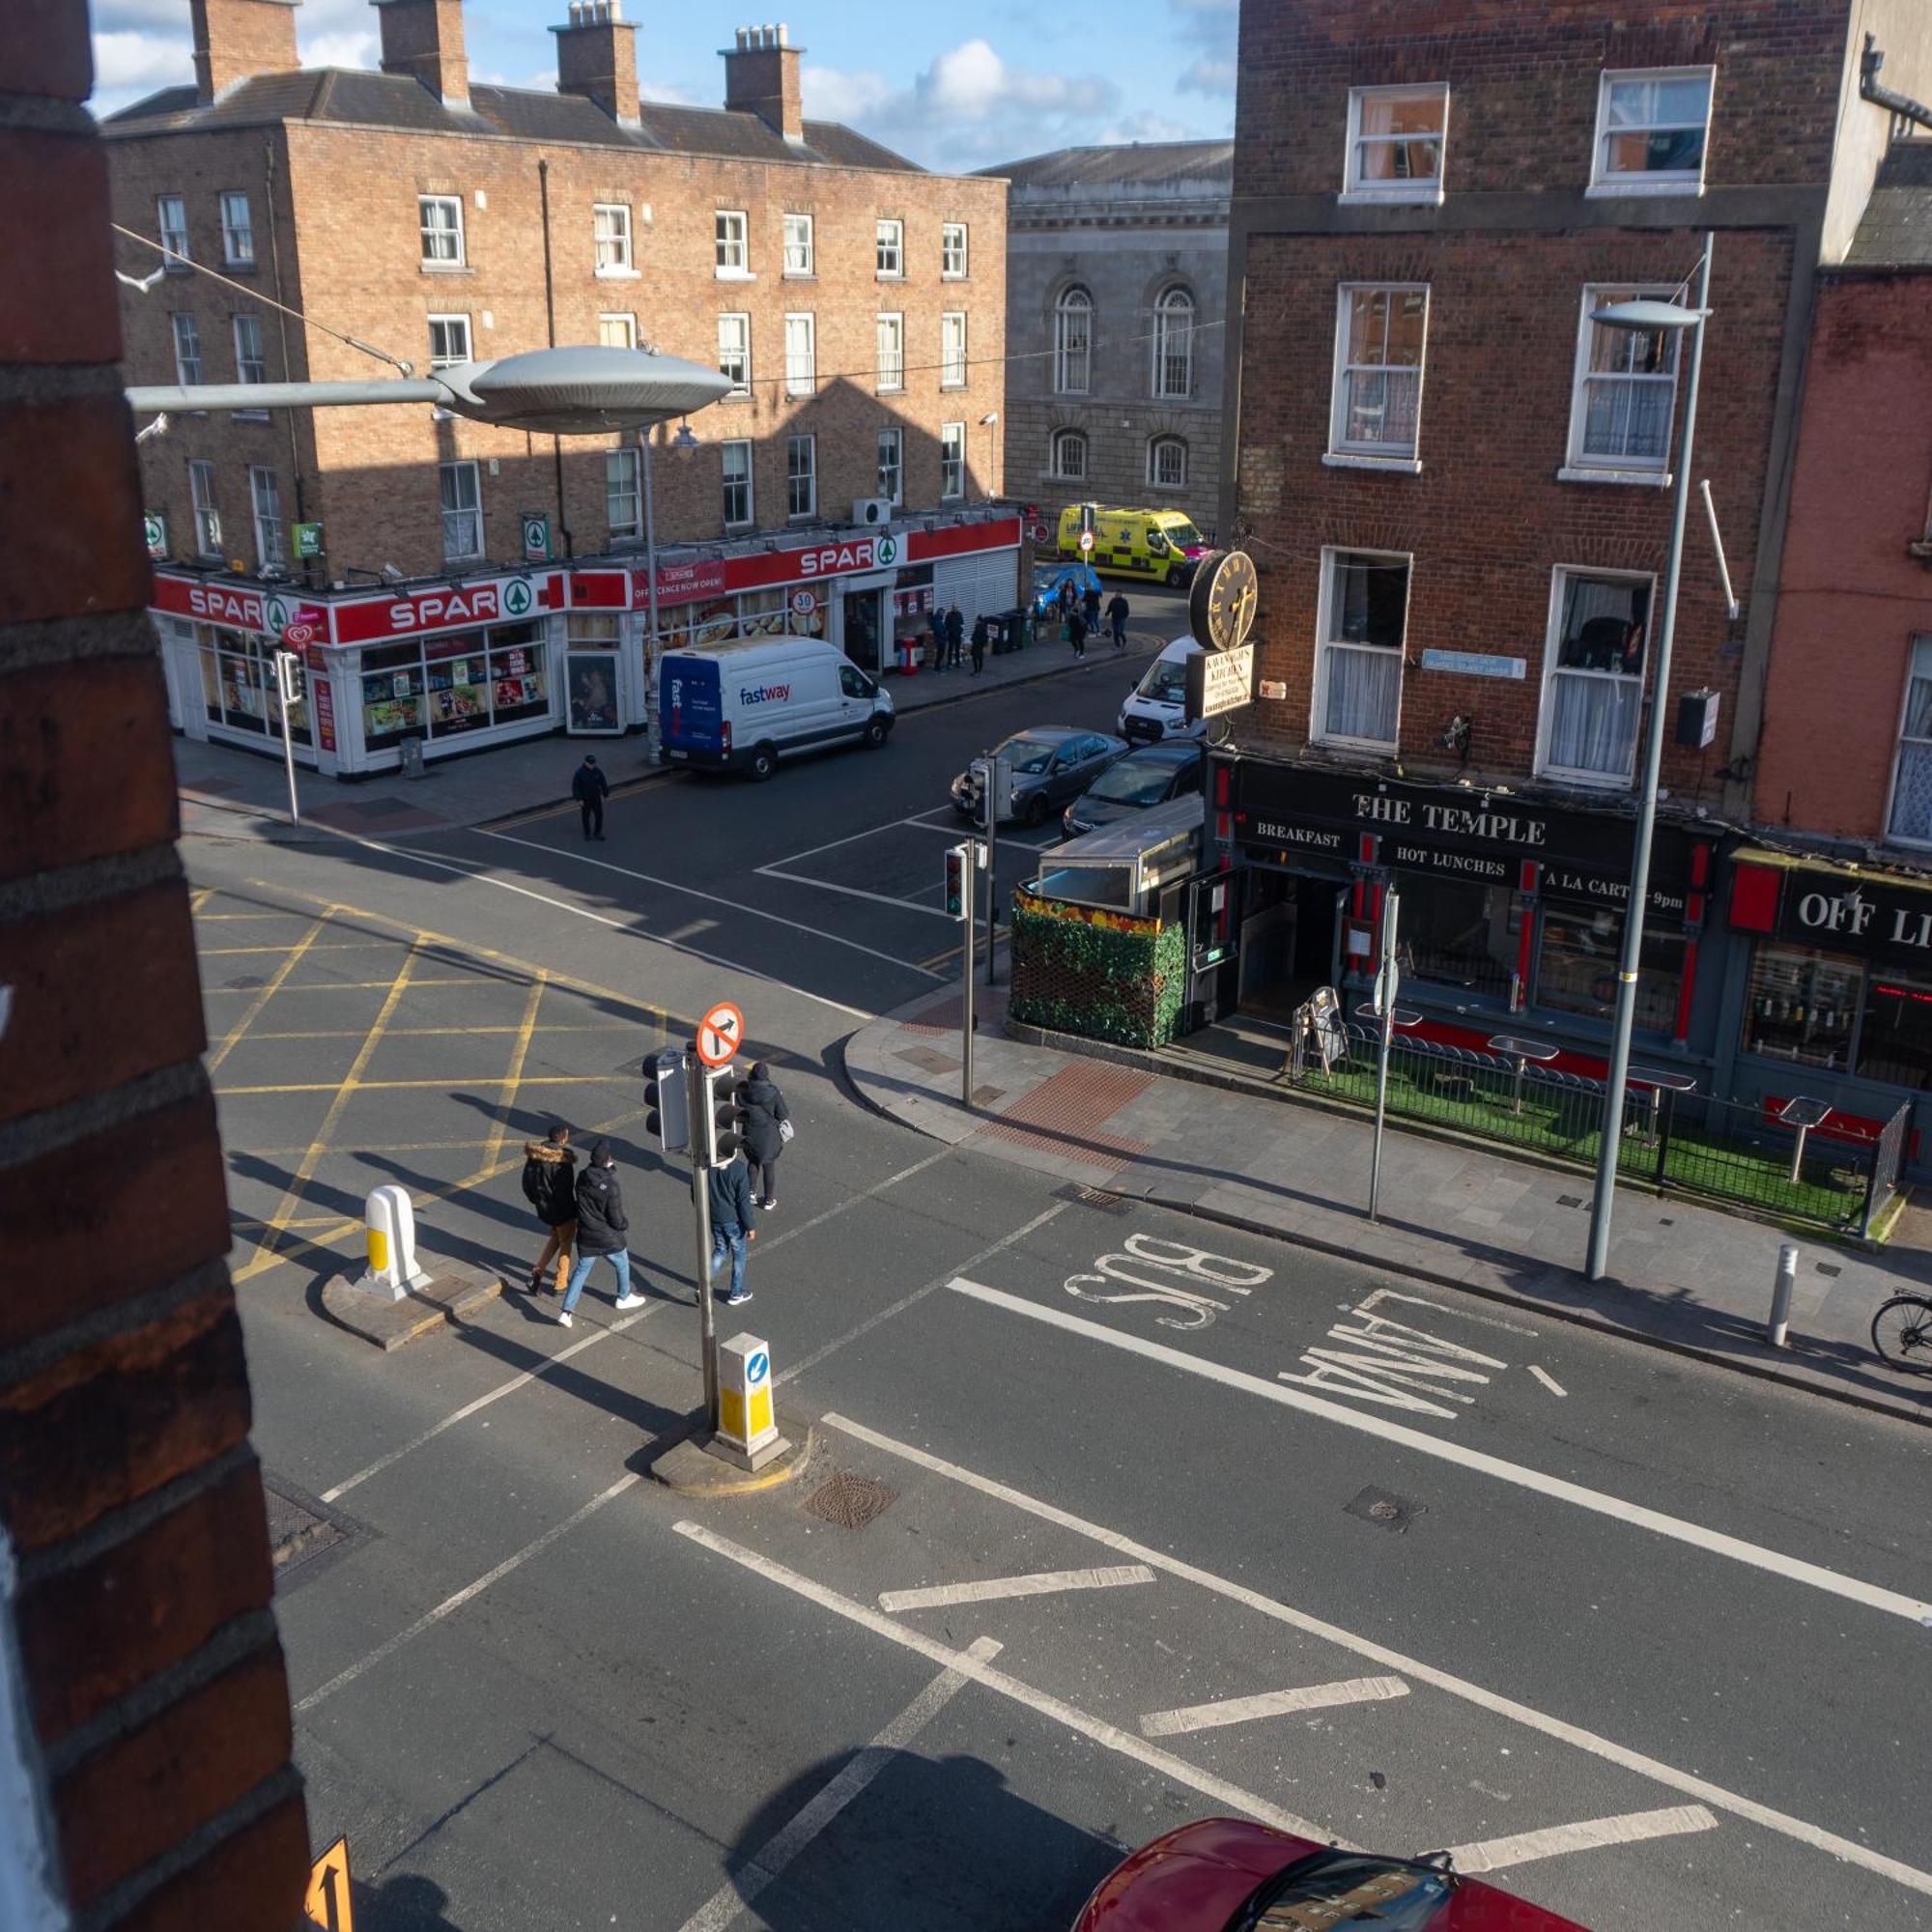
1144,1126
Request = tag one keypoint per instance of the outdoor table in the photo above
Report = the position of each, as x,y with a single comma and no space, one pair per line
1522,1052
1804,1114
1402,1017
1658,1079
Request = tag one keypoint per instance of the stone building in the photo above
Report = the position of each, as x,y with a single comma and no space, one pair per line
1117,269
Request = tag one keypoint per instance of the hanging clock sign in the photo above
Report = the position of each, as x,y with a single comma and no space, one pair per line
1222,600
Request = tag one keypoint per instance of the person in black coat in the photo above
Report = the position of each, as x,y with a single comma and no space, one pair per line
590,788
603,1228
1076,633
1089,606
729,1195
550,1187
980,635
1116,620
956,635
764,1137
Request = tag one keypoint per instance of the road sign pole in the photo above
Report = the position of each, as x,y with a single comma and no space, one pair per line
992,794
285,679
969,851
697,1099
1387,979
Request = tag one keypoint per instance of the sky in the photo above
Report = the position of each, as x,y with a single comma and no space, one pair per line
1002,80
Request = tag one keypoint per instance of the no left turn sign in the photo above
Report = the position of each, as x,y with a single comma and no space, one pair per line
719,1033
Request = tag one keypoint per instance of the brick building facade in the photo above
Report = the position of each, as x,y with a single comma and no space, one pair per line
859,299
1456,485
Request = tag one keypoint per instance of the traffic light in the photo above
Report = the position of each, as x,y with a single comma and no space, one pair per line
721,1127
669,1121
956,882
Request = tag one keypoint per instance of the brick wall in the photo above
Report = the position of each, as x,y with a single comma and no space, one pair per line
1852,596
128,1487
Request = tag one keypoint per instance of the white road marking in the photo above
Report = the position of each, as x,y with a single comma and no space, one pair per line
1632,1827
1387,1360
1814,1576
1689,1783
343,1678
851,892
853,837
1367,1306
1548,1381
728,1903
1178,1771
1271,1704
1041,1583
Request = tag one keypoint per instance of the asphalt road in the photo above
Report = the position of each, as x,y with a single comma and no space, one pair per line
1522,1582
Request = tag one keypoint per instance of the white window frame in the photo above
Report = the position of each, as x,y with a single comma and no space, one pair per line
1075,299
205,509
1579,466
731,244
442,358
1559,577
248,323
891,332
471,509
891,467
740,352
954,357
610,240
186,332
234,232
1165,308
743,447
1355,187
888,245
1325,646
808,476
619,323
429,235
1362,454
265,501
1603,181
955,261
952,462
623,481
801,367
1069,439
1155,445
799,261
173,233
1922,643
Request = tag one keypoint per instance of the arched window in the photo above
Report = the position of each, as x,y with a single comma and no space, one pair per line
1073,342
1174,343
1069,455
1167,463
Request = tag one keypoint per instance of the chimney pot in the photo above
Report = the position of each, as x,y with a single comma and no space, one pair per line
761,77
424,40
236,39
597,58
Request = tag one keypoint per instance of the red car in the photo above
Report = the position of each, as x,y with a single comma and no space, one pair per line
1225,1875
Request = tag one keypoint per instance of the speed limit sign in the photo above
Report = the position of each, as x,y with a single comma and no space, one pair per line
1086,542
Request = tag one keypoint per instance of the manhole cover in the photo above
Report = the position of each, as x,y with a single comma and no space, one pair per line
851,1501
1384,1509
1828,1267
244,982
302,1529
1568,1201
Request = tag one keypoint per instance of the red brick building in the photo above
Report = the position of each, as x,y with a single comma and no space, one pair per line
857,301
1457,486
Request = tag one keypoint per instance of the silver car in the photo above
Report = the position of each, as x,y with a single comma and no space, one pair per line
1044,769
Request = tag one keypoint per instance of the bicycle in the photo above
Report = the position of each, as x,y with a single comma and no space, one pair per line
1901,1332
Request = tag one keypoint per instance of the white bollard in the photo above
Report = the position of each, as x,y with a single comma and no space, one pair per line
1781,1295
392,1244
747,1430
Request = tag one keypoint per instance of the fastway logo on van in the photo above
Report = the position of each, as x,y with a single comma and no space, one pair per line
764,693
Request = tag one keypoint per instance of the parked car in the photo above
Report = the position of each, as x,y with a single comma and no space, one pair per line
1156,707
744,706
1048,766
1149,776
1227,1875
1047,580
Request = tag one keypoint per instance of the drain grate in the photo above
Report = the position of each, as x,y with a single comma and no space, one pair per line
1828,1267
1094,1197
1568,1201
851,1501
1384,1509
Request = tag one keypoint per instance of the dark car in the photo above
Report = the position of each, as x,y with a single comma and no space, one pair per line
1226,1875
1048,766
1149,776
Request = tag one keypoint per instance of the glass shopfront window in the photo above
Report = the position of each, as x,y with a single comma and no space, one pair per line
1895,1031
1457,934
1804,1007
238,684
393,694
446,687
519,680
1576,969
754,613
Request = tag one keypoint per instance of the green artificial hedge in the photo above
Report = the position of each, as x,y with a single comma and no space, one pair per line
1100,975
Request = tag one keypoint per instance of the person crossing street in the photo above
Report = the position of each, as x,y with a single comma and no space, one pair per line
550,1187
590,788
1116,620
603,1228
729,1189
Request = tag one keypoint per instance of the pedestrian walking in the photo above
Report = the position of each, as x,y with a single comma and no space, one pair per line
956,635
550,1187
603,1228
1116,620
937,622
729,1189
590,788
767,1128
979,645
1089,604
1066,598
1076,633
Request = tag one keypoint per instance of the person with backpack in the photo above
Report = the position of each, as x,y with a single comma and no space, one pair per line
550,1187
767,1128
603,1228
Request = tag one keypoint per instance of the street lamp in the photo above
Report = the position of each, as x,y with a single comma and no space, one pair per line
682,444
1647,317
988,422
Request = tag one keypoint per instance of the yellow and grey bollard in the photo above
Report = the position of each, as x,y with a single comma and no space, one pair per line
392,1244
747,1429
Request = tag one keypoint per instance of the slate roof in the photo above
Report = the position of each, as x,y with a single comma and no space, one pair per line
350,97
1154,167
1896,230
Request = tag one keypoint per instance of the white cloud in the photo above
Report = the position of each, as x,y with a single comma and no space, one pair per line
142,45
129,62
1207,76
1146,127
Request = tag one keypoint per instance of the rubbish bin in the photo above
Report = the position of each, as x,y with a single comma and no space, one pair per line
412,749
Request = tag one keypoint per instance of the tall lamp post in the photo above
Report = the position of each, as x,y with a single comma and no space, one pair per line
1647,318
682,444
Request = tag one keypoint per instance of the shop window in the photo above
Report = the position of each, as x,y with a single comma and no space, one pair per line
953,350
801,476
1895,1034
188,348
891,353
1623,392
1377,397
519,678
801,340
952,461
1593,677
738,505
456,685
622,502
238,232
1910,819
732,247
798,245
462,511
1174,344
1802,1006
1396,138
1073,342
611,238
393,694
1363,619
234,687
171,221
439,222
1457,932
891,465
734,352
1651,129
889,250
953,251
1577,970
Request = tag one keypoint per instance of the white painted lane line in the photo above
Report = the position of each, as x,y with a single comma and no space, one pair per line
1370,1302
990,1589
850,838
1632,1827
851,892
1110,1737
1735,1548
729,1902
1687,1782
1271,1704
1548,1381
342,1679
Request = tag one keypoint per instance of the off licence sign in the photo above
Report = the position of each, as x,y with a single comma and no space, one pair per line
1219,681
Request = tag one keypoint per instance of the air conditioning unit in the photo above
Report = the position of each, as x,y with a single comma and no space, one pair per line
872,512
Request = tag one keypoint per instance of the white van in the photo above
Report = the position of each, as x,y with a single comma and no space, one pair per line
742,707
1157,706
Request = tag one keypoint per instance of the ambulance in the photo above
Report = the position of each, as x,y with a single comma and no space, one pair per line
1155,546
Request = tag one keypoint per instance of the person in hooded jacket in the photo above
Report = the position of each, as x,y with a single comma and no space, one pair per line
603,1228
764,1139
550,1187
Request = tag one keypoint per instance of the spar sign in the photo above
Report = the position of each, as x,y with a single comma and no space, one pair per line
442,607
272,613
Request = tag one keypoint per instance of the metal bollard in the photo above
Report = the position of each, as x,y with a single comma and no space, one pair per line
392,1244
1781,1295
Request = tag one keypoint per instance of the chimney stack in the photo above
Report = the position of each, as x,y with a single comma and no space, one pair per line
597,57
761,79
424,40
234,38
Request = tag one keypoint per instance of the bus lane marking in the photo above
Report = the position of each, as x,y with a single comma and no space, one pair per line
1271,1704
1630,1828
990,1589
